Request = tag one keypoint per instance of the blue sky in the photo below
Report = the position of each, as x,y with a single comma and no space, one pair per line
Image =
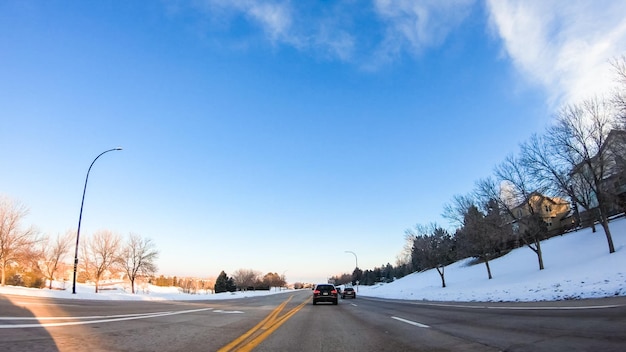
276,135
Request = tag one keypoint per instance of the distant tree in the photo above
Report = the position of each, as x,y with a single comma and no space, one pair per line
341,279
357,276
433,248
223,283
481,236
245,278
15,242
164,281
138,257
52,255
403,259
100,253
272,280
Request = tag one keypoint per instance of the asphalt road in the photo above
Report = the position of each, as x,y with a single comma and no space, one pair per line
289,322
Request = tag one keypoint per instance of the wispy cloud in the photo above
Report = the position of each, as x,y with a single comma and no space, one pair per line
282,22
412,26
274,18
336,29
563,46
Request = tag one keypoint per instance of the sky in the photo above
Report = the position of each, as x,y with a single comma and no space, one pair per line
577,266
277,135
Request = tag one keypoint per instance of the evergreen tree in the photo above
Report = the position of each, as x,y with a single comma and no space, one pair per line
223,283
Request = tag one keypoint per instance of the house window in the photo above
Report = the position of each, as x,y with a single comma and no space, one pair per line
548,208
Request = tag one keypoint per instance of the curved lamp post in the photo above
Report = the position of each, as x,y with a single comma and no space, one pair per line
80,216
356,262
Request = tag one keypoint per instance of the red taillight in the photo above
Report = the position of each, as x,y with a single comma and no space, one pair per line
316,292
333,291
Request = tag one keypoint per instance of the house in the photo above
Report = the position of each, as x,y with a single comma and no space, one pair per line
552,210
609,167
614,180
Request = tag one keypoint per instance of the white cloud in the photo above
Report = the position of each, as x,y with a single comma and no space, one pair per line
301,25
563,46
273,17
417,25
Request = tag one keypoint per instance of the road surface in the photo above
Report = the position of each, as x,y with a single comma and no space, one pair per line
289,322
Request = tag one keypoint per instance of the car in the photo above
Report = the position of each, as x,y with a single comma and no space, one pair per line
348,292
325,293
338,290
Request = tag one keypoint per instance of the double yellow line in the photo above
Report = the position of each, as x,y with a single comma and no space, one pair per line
263,329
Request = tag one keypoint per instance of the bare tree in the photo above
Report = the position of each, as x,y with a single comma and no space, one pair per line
100,252
540,156
245,278
619,97
15,242
53,253
273,280
579,139
456,210
522,190
138,257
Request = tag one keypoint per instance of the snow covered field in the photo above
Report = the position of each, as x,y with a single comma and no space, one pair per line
577,265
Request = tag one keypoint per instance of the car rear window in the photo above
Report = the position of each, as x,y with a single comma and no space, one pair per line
349,289
325,287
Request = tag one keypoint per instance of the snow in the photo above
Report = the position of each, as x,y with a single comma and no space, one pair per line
577,266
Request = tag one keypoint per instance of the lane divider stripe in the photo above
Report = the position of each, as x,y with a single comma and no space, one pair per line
414,323
20,326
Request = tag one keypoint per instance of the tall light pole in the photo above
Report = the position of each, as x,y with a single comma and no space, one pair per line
80,217
356,262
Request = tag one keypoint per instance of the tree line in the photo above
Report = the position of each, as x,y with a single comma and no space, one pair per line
580,158
248,279
28,258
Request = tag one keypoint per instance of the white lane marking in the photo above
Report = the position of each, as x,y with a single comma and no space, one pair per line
228,311
354,304
496,307
83,317
119,318
555,308
411,322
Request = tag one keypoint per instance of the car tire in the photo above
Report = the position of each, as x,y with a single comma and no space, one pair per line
335,302
314,303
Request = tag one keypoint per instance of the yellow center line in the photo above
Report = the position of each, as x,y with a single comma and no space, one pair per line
260,338
263,329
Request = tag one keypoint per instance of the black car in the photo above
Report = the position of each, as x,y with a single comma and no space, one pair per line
325,293
348,292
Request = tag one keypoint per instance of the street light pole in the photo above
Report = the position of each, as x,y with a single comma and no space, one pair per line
80,216
356,262
355,258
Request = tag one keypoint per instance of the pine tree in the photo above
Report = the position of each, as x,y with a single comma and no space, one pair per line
221,283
